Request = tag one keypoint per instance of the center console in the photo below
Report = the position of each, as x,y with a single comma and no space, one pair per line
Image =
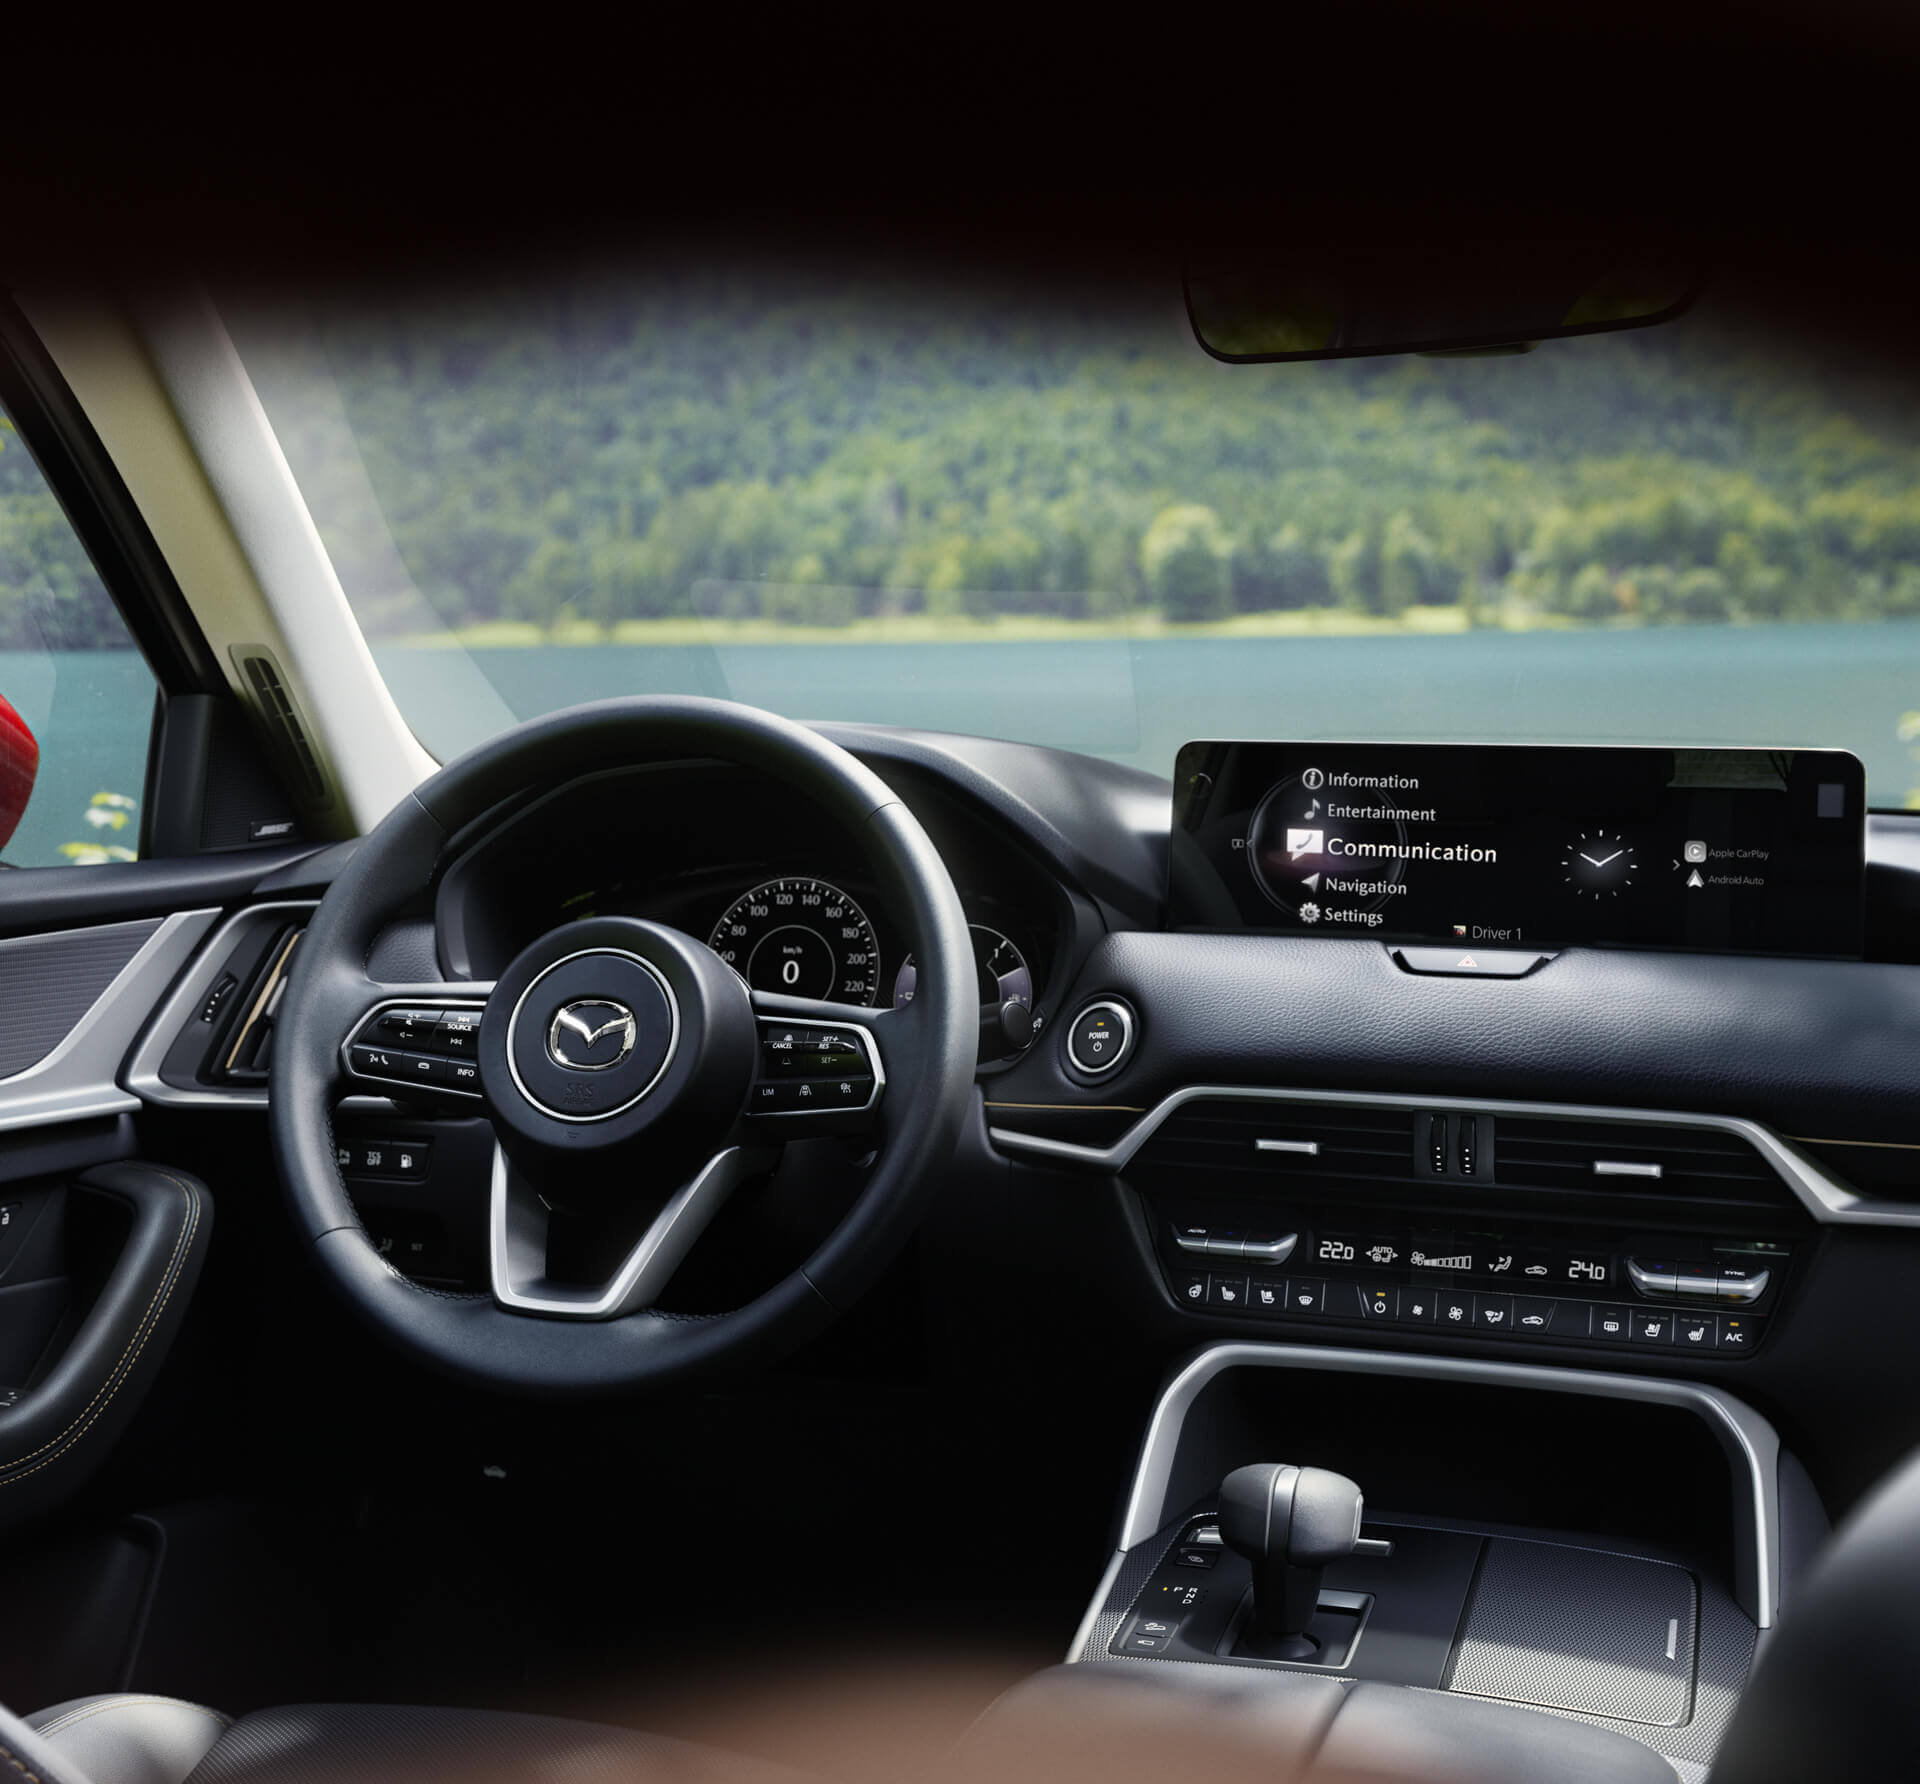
1595,1546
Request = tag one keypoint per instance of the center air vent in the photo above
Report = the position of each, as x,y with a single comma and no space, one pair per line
1283,1139
1616,1159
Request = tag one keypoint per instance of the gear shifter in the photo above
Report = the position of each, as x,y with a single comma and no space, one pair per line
1290,1523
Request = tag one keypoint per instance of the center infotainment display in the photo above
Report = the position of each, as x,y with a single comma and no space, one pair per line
1521,846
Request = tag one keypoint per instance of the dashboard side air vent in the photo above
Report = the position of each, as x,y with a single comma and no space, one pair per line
274,705
242,1048
1277,1140
1647,1162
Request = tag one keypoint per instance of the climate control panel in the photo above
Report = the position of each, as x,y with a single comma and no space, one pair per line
1702,1293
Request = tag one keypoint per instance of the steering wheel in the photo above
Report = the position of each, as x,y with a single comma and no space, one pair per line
619,1062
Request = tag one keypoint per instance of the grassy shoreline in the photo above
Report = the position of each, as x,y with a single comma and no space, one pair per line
927,628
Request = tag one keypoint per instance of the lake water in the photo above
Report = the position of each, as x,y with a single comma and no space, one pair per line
1836,686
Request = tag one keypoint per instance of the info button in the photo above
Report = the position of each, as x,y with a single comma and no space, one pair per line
1471,963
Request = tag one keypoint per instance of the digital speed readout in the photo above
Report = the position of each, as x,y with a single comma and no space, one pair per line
1517,846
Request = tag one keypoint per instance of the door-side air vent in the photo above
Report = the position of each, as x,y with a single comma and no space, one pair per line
1650,1163
1282,1140
281,717
242,1050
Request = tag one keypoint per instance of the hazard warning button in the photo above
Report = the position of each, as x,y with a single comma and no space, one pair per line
1472,963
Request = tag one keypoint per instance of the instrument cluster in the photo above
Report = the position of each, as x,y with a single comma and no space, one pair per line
808,937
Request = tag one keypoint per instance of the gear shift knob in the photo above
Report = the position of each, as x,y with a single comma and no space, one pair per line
1289,1523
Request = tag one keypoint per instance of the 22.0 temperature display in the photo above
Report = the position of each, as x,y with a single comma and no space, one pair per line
802,937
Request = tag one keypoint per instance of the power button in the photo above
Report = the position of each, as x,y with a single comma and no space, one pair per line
1100,1037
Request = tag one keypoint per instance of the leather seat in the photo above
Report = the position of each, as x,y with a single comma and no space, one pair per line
125,1739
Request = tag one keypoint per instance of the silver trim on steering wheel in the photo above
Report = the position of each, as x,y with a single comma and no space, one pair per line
517,1241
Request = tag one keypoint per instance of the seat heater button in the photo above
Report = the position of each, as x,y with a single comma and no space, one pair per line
1652,1325
1267,1298
1228,1293
1695,1331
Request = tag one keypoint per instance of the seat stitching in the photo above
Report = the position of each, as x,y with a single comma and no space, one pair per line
84,1420
127,1703
7,1754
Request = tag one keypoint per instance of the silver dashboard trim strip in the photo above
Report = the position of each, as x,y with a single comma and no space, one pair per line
79,1078
142,1074
1743,1433
1824,1197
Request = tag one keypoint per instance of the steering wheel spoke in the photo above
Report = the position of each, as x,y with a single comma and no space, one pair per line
520,1236
422,1038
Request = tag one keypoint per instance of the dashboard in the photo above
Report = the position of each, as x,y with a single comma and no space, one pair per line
1678,1161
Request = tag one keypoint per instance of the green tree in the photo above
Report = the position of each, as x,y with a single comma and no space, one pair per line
1187,561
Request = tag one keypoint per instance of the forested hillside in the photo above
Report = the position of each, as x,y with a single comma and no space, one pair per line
761,448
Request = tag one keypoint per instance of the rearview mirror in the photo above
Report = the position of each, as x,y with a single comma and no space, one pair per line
1458,292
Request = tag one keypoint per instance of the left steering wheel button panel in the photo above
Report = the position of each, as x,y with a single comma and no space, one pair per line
431,1049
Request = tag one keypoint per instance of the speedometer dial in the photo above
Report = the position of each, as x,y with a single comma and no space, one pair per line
801,937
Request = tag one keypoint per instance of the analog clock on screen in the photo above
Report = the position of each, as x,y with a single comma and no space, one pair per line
1599,864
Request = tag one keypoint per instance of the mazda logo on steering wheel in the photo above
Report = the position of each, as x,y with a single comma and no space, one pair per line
591,1035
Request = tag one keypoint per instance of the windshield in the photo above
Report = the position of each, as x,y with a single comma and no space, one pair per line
1052,518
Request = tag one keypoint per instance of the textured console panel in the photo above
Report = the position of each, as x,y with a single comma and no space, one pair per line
1580,1629
48,982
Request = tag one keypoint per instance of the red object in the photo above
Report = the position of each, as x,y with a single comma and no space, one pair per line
19,764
